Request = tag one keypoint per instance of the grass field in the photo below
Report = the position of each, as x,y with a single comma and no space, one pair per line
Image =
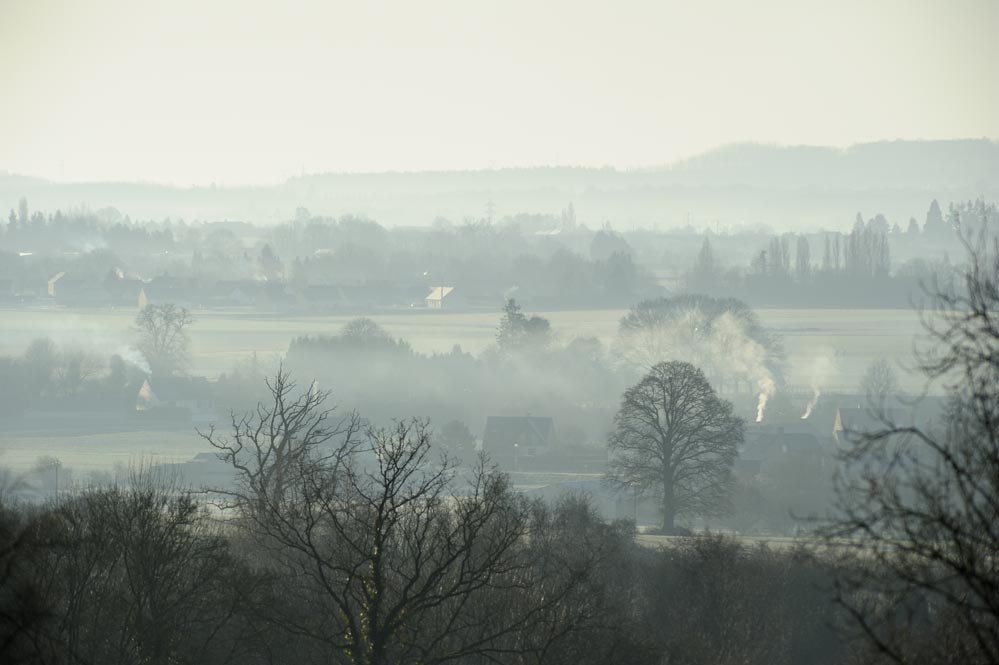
99,452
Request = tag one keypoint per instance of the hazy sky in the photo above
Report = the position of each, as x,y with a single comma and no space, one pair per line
232,92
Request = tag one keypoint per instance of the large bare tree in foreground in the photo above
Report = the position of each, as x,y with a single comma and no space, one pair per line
675,438
920,502
383,554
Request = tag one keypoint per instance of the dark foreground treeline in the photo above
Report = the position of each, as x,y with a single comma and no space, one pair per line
140,574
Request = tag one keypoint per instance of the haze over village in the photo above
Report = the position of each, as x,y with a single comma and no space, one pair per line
499,333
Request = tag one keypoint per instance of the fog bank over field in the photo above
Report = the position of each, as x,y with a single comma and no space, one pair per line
798,187
834,345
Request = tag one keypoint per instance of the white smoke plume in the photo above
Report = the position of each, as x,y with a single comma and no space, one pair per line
767,389
743,355
823,367
816,394
133,357
723,348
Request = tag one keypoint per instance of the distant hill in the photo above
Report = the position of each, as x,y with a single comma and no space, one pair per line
885,164
784,187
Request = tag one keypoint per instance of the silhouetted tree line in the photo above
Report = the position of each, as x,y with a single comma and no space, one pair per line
343,566
485,260
543,260
78,230
141,573
47,378
852,269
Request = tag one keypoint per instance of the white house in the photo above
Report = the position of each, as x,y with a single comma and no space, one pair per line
438,295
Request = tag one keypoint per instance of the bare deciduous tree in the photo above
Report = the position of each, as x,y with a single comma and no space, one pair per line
141,577
389,559
919,505
163,338
26,610
269,445
879,383
675,438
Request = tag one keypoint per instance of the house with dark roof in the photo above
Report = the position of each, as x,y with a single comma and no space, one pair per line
323,296
234,293
766,444
924,413
122,291
785,437
171,290
76,291
851,423
854,417
203,470
177,396
510,438
355,296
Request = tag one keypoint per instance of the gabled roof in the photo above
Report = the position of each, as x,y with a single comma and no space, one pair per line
866,420
527,431
797,441
169,294
180,388
323,293
440,292
792,427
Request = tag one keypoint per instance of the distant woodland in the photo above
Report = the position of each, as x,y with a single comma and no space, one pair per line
312,263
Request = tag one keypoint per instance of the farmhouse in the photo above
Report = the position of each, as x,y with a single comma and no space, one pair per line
177,396
854,422
163,290
74,290
438,296
204,469
768,447
513,437
53,284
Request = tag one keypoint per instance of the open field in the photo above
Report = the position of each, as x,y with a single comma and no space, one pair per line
773,542
101,451
220,339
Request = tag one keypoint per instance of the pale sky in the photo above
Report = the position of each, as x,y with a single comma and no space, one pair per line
194,92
